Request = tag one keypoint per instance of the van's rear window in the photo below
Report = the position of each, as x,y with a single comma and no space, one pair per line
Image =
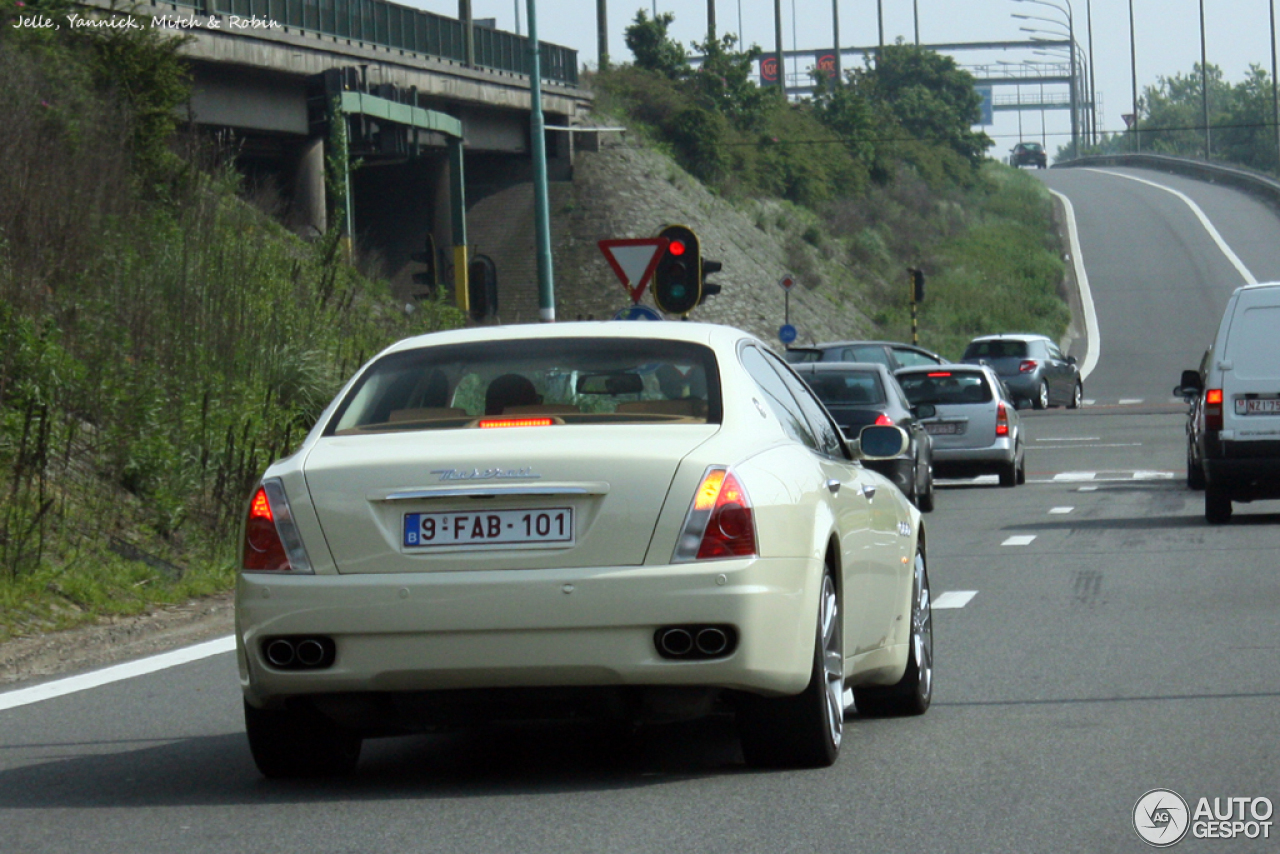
568,380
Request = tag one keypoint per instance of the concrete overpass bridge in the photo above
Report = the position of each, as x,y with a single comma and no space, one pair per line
436,111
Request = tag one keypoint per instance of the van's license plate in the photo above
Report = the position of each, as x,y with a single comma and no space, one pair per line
1258,407
549,525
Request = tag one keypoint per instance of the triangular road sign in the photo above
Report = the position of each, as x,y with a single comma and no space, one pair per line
634,260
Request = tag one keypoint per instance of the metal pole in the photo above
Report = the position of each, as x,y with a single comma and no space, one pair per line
711,21
1275,96
602,33
1093,92
795,59
516,4
1133,72
915,16
1075,117
835,30
880,22
777,38
541,208
1204,84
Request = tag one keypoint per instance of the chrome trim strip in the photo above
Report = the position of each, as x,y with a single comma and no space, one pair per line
514,490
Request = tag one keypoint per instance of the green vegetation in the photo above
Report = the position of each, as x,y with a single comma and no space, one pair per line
1171,120
160,339
877,172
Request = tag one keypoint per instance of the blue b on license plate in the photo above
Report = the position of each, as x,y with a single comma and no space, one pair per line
550,525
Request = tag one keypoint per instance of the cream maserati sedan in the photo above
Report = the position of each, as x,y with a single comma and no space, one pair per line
637,521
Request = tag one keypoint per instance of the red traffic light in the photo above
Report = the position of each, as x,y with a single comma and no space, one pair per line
676,247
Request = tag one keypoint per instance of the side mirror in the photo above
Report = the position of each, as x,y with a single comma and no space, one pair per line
882,442
924,410
1071,360
1191,380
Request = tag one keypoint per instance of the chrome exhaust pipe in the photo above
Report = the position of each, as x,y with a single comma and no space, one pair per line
712,641
311,652
676,642
280,653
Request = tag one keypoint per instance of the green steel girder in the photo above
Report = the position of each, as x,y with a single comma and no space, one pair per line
380,108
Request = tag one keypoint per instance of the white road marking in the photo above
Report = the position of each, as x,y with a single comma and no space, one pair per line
1061,511
1204,221
1075,475
1130,401
1089,402
1087,489
115,673
1078,476
1099,445
1019,540
980,480
953,599
1091,334
1070,439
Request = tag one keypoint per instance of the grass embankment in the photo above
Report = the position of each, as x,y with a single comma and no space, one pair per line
160,342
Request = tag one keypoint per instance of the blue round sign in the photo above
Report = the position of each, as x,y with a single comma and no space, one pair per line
638,312
787,333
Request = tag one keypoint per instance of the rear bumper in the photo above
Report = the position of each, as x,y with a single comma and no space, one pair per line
1248,469
1001,451
1022,385
530,628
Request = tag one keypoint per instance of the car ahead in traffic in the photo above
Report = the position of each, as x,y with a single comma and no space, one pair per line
892,354
1028,154
1033,368
1233,427
861,393
641,521
975,427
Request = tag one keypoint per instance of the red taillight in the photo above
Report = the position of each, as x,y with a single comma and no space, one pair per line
1213,409
263,549
730,531
486,423
1027,366
1002,420
884,420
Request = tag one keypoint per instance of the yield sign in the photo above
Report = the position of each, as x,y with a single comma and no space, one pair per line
634,260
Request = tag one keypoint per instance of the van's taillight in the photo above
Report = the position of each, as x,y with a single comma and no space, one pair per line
719,523
884,420
1002,420
271,541
1027,366
1213,409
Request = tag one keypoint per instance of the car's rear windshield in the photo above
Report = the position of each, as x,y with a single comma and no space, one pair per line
997,349
945,387
566,381
844,389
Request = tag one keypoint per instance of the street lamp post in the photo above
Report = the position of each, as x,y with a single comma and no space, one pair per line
1204,84
1133,72
541,207
1071,37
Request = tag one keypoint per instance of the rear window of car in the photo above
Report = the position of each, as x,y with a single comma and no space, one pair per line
1000,349
946,387
570,381
797,356
839,389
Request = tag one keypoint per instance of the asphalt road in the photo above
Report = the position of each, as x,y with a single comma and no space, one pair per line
1113,643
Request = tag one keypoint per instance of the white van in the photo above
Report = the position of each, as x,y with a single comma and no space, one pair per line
1233,433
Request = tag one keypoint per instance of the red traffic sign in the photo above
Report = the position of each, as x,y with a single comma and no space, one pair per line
634,260
787,282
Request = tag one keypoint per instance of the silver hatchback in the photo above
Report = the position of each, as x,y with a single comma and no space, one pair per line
975,428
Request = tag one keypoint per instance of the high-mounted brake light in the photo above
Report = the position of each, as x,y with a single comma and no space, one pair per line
1213,409
940,374
1027,366
271,540
884,420
487,423
719,523
1002,420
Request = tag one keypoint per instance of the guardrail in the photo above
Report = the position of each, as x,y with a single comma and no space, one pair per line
1256,183
402,28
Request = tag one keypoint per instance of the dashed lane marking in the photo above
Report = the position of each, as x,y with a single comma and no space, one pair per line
1060,511
1019,540
953,599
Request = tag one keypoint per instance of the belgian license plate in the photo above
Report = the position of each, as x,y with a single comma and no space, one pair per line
944,428
1260,407
548,525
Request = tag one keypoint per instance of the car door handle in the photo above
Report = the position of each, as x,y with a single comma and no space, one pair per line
834,486
868,490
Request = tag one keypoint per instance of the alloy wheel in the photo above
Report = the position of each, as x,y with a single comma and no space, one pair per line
833,660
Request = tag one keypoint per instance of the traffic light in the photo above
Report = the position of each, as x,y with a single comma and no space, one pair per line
428,257
917,283
677,282
709,289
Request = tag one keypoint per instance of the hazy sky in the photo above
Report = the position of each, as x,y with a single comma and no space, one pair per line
1168,37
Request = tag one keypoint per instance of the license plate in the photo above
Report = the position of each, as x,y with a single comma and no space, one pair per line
946,428
1270,406
545,526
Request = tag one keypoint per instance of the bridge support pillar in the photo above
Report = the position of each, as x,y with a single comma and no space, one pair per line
308,189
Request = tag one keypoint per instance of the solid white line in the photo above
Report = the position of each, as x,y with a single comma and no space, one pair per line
115,673
1060,510
953,599
1071,439
1019,540
1204,221
1129,401
1088,402
1077,447
1086,295
1075,475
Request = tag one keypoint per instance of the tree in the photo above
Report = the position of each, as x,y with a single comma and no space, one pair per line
653,48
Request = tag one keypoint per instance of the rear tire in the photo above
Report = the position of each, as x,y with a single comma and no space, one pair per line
299,742
925,504
1009,473
914,692
1076,397
802,731
1217,504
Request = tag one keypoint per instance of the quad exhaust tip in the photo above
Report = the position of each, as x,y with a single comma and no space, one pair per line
299,653
695,642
